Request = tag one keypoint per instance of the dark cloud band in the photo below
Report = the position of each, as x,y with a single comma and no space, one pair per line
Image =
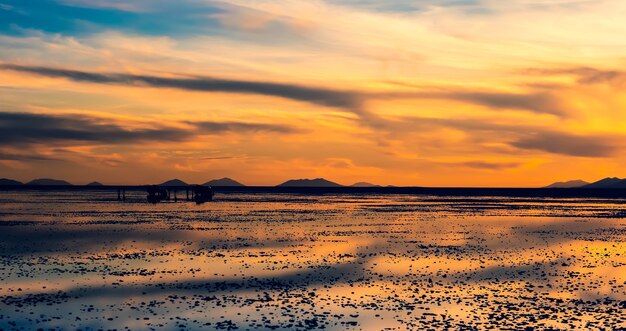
26,128
568,144
320,96
537,102
29,128
542,103
219,127
522,137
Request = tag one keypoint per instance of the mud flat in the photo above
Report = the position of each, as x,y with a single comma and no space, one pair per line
299,262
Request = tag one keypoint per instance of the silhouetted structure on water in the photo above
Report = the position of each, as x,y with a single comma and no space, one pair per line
202,194
157,194
198,193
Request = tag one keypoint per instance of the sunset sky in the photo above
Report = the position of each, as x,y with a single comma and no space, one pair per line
427,92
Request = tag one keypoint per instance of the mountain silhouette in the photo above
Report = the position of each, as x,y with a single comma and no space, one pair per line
95,184
364,184
48,181
317,182
174,182
568,184
7,181
223,182
609,182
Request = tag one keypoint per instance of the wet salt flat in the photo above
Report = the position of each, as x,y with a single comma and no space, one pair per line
75,260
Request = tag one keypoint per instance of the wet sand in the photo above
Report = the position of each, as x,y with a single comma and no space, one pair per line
296,262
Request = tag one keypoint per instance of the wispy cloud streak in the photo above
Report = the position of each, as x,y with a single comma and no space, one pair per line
315,95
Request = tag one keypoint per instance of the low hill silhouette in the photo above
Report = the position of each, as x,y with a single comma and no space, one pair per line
49,182
364,184
95,184
7,181
609,182
317,182
568,184
174,182
223,182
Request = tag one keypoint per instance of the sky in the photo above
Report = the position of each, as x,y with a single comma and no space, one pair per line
492,93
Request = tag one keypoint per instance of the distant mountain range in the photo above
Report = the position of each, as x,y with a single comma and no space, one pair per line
568,184
609,182
223,182
364,184
174,182
48,182
317,182
6,181
215,182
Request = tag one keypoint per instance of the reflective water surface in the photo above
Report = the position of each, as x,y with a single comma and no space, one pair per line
71,260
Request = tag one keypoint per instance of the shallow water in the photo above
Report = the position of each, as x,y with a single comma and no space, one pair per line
72,260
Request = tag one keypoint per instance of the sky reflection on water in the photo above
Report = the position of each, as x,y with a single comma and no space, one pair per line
281,261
